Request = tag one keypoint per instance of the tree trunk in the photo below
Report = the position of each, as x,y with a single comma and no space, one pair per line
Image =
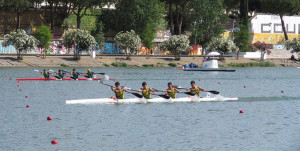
283,27
238,55
78,21
181,20
18,21
67,22
19,55
262,57
171,19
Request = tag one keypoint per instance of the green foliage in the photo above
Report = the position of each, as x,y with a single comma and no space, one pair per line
241,38
252,64
106,65
64,65
88,21
172,64
136,14
21,41
293,44
209,20
222,45
128,41
119,64
148,35
176,44
44,36
99,35
78,39
147,65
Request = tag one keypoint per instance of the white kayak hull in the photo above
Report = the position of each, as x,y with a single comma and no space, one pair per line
154,100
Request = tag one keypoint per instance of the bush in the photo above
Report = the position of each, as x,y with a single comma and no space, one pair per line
147,65
106,65
252,64
119,64
172,64
64,65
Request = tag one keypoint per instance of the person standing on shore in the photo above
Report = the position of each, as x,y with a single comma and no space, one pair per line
46,74
195,89
146,91
75,74
119,91
171,90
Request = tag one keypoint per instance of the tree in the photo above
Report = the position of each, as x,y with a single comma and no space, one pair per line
208,22
44,36
149,34
176,44
128,41
79,40
263,48
21,41
177,15
143,16
281,7
17,6
222,45
80,7
241,38
293,44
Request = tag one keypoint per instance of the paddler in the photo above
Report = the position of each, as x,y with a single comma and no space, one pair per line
119,91
75,74
60,74
89,74
171,90
146,91
195,89
46,74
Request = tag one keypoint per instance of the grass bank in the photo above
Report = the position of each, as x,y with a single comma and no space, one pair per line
252,64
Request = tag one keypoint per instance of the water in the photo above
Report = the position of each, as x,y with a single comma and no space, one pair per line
270,122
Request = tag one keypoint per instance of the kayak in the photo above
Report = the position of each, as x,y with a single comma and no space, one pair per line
142,100
52,79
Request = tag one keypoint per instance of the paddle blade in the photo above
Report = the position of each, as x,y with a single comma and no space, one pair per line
164,96
138,95
190,93
213,92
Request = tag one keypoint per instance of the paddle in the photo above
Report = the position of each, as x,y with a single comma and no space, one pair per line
211,91
188,93
135,94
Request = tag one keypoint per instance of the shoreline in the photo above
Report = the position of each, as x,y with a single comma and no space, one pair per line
136,61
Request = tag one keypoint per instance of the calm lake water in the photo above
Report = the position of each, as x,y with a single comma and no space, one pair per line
271,120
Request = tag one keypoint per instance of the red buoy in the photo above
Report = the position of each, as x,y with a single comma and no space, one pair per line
199,79
49,118
10,78
219,82
245,87
241,111
18,81
27,106
192,101
54,142
26,96
18,85
282,91
20,90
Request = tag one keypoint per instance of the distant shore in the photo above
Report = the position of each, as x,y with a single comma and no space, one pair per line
136,61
